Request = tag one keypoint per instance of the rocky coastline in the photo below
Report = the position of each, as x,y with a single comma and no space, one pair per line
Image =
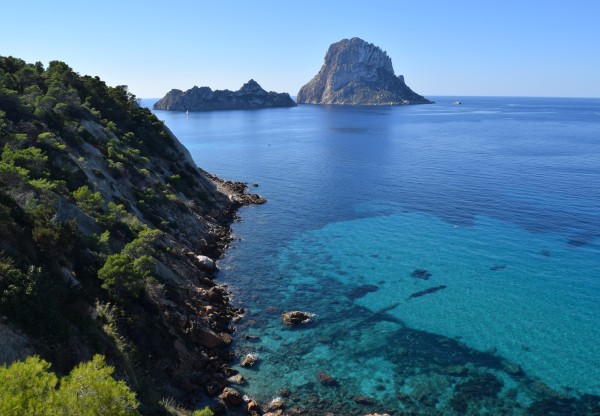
236,191
212,354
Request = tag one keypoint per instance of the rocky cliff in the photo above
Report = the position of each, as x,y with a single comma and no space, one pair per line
108,237
357,72
250,96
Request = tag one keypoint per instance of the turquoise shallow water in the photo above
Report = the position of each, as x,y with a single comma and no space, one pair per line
450,253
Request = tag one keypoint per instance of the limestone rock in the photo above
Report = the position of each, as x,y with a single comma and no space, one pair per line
296,317
206,262
237,379
275,404
357,72
250,96
249,360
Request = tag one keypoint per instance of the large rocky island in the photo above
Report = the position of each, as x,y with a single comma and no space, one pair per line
250,96
359,73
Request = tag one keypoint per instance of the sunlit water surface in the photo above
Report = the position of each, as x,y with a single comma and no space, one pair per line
449,252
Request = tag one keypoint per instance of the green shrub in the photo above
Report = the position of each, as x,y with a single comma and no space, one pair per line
29,388
90,202
16,284
123,273
204,412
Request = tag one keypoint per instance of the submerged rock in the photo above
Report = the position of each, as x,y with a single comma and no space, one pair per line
296,317
480,386
364,400
421,274
498,267
357,72
456,370
512,368
361,291
427,291
326,379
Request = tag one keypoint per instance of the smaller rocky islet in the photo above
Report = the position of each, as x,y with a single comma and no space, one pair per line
250,96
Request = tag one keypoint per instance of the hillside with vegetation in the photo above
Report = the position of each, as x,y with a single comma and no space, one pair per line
108,232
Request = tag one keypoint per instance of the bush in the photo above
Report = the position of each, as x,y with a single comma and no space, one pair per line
15,284
204,412
90,202
29,388
123,273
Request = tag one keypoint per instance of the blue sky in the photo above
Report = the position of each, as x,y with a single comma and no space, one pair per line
456,48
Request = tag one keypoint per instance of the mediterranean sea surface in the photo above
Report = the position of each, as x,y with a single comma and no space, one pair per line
450,253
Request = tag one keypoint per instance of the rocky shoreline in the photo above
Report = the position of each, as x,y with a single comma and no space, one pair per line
236,191
214,355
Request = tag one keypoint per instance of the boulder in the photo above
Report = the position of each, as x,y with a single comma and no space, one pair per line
296,317
231,397
206,263
207,338
249,360
275,404
253,407
237,379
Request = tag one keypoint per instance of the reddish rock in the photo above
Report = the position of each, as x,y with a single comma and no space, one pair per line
253,407
231,397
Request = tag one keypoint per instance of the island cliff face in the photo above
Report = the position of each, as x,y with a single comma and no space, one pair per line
250,96
357,72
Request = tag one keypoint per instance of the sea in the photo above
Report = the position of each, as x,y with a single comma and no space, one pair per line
450,253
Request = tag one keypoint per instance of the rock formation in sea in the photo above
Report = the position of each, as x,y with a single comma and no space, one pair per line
250,96
357,72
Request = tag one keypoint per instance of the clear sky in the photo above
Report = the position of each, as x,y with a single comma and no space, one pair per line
442,47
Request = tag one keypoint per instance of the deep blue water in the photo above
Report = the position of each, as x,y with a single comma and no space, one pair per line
496,201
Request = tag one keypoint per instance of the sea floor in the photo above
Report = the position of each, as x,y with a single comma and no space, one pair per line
414,314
